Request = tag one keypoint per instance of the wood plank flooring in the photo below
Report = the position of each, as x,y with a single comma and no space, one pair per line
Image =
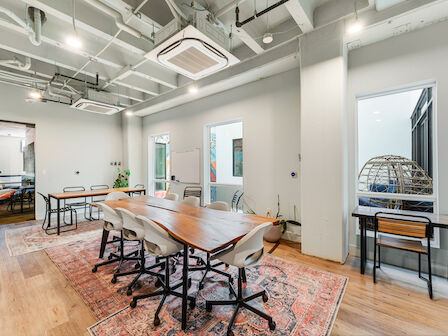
36,299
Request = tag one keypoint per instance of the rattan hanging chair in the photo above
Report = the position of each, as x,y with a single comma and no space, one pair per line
395,174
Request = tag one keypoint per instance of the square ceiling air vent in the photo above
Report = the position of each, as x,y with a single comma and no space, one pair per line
192,54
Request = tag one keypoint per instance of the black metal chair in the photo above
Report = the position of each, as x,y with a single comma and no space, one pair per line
195,191
96,199
236,199
412,226
48,230
76,204
138,193
21,197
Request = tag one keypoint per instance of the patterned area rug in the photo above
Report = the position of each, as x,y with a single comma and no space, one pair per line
32,238
302,300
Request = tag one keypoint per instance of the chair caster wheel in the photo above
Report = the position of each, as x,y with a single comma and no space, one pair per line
231,280
129,292
201,286
156,321
158,283
94,269
162,267
272,325
227,265
265,297
137,266
109,257
133,304
229,333
189,283
193,303
114,280
199,262
208,307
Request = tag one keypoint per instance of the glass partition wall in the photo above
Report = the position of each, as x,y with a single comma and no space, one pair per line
223,162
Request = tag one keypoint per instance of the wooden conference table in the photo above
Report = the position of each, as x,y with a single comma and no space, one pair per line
366,214
201,228
82,194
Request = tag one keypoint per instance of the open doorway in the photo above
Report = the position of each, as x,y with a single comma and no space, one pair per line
17,172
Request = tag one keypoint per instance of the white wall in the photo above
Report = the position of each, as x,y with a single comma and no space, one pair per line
224,152
269,110
410,58
67,140
132,127
11,158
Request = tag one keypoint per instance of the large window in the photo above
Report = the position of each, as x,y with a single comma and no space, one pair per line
159,165
223,164
395,150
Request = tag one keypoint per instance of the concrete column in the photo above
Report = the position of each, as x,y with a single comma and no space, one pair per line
324,144
132,148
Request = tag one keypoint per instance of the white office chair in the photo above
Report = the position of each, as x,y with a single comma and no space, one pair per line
113,222
171,197
109,224
134,231
159,243
245,253
192,200
208,267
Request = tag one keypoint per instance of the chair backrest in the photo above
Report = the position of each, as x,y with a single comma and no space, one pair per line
250,244
219,205
157,240
78,188
128,218
195,191
236,199
171,197
139,186
404,225
99,187
111,216
116,195
47,201
192,200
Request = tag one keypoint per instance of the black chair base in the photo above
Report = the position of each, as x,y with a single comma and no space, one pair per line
166,291
242,302
210,268
142,269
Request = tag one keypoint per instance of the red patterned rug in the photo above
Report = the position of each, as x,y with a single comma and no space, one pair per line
302,300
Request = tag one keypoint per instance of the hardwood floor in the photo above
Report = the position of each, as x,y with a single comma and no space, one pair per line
7,217
36,299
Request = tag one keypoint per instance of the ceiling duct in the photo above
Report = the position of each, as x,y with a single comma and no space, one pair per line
98,102
197,50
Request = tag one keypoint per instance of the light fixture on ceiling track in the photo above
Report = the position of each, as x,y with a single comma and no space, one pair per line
35,94
74,40
356,26
267,37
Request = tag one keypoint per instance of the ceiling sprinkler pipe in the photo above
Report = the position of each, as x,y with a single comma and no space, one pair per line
21,65
34,34
256,15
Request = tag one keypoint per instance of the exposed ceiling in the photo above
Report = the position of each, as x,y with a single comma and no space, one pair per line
117,56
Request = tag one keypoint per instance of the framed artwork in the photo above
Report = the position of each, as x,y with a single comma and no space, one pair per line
238,157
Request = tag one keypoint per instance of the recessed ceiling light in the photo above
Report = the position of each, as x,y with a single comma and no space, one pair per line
355,27
74,41
193,89
267,38
35,94
378,120
376,112
129,113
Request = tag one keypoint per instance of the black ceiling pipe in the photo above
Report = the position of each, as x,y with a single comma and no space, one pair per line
256,15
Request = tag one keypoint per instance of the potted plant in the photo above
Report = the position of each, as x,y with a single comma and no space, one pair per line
122,179
275,233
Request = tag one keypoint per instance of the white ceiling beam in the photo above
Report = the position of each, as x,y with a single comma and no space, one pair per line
227,8
248,40
273,61
302,13
18,43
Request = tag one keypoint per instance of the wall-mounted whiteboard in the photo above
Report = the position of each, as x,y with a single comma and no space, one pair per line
185,166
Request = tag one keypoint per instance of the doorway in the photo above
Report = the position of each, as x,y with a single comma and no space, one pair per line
17,172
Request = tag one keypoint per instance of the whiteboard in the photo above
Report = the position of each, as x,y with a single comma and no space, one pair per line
185,166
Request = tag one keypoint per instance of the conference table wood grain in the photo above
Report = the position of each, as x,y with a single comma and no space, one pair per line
205,229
